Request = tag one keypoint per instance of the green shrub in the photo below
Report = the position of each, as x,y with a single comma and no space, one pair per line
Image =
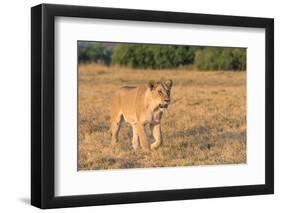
94,53
149,56
212,58
152,56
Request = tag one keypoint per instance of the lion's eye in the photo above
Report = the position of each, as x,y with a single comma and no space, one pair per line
160,92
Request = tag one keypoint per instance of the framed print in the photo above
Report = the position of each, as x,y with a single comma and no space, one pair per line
140,106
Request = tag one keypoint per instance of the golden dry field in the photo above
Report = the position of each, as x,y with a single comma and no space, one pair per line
204,125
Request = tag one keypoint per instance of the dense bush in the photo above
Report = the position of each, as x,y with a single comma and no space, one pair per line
220,59
147,56
94,54
152,56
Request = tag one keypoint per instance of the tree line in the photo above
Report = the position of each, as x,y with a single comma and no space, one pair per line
150,56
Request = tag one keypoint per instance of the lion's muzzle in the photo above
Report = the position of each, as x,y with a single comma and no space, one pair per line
164,106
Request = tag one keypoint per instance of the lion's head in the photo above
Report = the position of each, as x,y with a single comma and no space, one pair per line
160,92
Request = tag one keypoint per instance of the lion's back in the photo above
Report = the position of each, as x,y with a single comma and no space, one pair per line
127,99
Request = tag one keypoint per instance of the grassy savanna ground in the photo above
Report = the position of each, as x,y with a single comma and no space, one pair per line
204,125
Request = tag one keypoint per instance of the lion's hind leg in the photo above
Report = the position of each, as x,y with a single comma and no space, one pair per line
135,140
116,121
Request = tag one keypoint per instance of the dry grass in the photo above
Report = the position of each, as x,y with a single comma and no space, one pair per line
206,124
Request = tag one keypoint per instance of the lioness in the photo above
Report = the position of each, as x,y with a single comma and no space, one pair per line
139,106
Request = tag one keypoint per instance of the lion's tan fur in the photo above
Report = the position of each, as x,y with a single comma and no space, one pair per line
139,106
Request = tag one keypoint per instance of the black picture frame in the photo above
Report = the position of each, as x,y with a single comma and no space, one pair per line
43,102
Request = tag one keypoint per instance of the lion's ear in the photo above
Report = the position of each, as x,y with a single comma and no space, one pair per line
169,83
151,84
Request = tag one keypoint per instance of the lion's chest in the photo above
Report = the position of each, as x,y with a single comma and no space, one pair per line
156,116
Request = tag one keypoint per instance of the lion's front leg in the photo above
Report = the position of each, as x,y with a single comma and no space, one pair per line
156,131
142,137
